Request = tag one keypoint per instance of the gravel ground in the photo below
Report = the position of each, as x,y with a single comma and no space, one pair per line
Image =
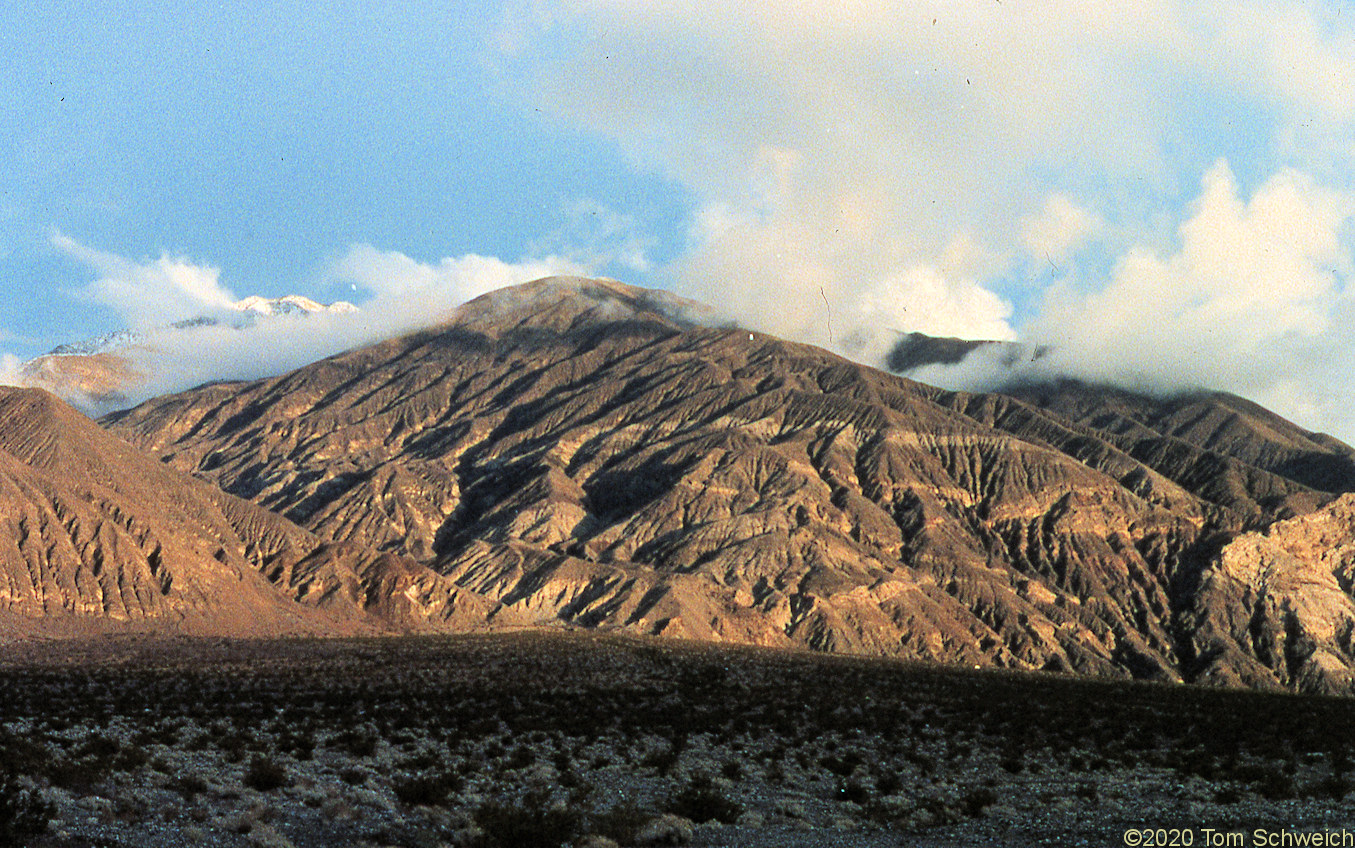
488,742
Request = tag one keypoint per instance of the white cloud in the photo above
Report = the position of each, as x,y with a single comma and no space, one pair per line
1251,282
149,294
404,295
407,292
597,237
10,370
1059,229
1252,299
835,150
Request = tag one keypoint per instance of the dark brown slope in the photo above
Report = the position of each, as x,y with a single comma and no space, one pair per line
1216,423
1221,447
579,453
97,535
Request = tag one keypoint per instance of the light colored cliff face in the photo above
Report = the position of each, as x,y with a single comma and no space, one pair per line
1286,593
583,454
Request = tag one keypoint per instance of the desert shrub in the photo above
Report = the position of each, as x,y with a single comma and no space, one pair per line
732,770
265,775
353,776
662,760
76,774
1333,786
358,744
975,801
925,764
429,790
20,755
190,786
562,760
23,812
233,746
1013,763
852,790
888,782
935,812
1227,795
844,765
522,756
701,801
130,758
1273,783
535,823
99,746
621,823
1340,761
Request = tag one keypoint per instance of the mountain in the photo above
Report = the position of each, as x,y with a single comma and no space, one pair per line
96,535
586,453
292,304
1224,448
101,374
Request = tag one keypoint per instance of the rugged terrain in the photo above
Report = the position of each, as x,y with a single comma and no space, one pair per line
585,453
95,535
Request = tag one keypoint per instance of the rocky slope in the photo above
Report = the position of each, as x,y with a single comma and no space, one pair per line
581,452
96,535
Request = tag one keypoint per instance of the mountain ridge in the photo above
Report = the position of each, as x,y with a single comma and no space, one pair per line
584,455
101,373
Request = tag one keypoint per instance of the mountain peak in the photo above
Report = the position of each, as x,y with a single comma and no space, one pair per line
292,304
562,303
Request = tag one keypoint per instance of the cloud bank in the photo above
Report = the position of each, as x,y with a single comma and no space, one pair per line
1150,186
148,294
1158,190
1252,299
401,295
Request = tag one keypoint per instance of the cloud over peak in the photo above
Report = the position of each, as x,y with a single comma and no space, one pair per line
150,293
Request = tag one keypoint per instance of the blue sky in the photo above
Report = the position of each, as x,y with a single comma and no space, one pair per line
263,140
1162,189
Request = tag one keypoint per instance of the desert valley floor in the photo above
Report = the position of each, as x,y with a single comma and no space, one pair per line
541,738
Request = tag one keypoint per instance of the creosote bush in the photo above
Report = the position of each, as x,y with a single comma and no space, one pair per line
265,775
429,790
701,801
23,812
534,823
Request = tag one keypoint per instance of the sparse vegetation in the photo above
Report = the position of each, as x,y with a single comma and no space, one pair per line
427,789
511,741
533,822
23,811
265,775
701,801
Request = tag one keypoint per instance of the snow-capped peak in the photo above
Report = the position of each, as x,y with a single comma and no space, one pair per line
251,309
292,304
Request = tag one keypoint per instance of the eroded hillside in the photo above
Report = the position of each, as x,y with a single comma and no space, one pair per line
580,452
96,535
